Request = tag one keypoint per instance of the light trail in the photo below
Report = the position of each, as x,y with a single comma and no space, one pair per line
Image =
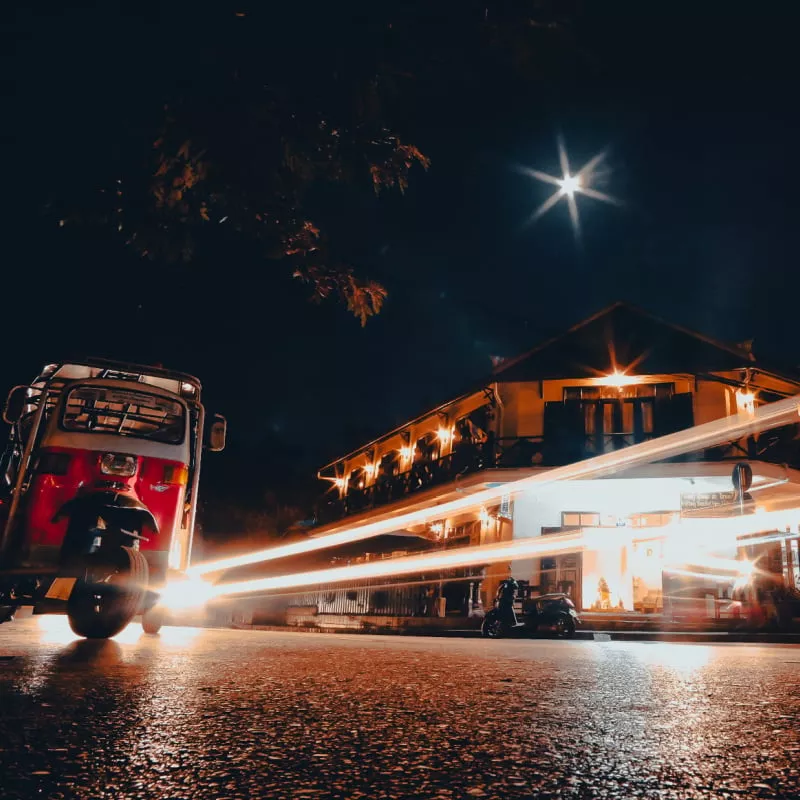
408,565
704,536
710,434
692,573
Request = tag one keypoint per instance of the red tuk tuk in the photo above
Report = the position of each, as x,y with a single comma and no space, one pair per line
98,491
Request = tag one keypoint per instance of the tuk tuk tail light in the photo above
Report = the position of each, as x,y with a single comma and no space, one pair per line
115,464
176,474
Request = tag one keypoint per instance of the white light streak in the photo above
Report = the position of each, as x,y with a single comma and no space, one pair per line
449,559
691,573
710,434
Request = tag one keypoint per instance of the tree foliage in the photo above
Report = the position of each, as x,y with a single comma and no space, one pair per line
260,107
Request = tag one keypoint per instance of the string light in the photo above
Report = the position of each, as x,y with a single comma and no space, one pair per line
745,402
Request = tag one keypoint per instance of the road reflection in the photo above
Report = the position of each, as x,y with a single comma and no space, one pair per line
683,659
94,653
54,629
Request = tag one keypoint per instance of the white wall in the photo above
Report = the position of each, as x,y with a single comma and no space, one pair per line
614,496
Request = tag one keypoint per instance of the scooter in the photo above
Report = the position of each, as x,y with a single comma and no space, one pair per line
554,613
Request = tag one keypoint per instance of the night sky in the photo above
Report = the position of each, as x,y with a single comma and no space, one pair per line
695,103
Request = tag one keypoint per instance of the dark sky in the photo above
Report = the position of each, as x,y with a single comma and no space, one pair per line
695,103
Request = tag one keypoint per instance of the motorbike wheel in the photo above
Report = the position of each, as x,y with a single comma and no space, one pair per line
493,627
565,626
101,606
152,620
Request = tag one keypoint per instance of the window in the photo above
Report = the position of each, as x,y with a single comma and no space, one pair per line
615,417
124,412
357,480
390,466
427,448
471,429
653,520
574,519
463,535
637,390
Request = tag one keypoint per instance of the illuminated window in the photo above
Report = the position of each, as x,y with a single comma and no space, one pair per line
653,520
574,519
617,417
613,393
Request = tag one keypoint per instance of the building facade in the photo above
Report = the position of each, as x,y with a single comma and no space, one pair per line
620,378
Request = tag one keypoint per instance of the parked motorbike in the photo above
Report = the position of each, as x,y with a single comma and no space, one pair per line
554,613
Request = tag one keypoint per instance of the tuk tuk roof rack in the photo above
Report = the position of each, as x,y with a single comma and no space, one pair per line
130,368
120,369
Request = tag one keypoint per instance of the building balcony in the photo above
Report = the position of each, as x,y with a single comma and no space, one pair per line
466,459
536,451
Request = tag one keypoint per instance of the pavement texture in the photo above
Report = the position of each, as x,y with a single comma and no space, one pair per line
260,714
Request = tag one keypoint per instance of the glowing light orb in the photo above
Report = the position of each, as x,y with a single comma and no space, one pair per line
570,184
184,594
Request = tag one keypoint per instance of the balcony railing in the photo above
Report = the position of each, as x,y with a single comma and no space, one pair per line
464,460
529,451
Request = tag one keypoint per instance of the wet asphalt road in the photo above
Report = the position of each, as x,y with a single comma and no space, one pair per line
227,714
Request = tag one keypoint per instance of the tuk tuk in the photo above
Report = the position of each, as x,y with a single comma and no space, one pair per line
98,491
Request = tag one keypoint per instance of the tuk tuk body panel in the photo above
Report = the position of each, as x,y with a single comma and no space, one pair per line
89,436
159,483
68,464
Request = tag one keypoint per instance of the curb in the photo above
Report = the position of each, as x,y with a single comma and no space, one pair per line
719,637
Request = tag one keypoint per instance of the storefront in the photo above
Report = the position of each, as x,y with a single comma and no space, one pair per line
657,544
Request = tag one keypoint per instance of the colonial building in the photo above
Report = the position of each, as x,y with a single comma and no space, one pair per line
619,378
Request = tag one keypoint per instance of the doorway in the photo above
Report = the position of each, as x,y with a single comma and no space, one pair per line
562,574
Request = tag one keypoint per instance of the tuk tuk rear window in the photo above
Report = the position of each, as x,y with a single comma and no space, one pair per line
124,412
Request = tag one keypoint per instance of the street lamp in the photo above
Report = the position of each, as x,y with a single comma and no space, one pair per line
570,184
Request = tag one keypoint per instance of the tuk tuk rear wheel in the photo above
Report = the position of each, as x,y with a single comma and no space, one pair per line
108,598
153,620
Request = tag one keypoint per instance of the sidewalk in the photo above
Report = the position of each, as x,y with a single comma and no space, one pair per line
708,637
598,627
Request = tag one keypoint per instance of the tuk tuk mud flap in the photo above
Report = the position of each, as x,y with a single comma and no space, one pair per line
60,589
55,599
